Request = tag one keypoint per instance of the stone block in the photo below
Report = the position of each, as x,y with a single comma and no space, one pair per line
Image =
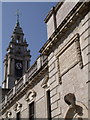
85,56
53,72
64,11
52,79
50,56
50,26
53,92
56,112
54,85
54,106
51,67
86,18
55,98
84,28
52,60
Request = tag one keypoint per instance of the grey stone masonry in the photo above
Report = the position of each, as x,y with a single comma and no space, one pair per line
58,82
67,50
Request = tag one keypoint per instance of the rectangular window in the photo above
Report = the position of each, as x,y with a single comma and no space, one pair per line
48,105
18,116
31,111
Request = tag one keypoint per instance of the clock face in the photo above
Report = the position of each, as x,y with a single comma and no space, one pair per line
19,65
18,68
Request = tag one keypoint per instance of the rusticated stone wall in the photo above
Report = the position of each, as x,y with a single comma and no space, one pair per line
68,67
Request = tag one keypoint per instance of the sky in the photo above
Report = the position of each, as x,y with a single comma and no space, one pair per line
32,15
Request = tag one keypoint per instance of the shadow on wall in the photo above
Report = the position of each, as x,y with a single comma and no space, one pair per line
76,109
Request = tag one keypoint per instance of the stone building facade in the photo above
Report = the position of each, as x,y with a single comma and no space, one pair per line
57,84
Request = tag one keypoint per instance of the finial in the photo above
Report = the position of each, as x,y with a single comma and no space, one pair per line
18,13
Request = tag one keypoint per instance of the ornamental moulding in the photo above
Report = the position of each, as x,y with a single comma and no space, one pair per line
30,95
45,82
8,113
17,106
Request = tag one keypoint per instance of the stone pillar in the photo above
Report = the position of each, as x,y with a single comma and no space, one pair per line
10,73
5,70
9,66
26,64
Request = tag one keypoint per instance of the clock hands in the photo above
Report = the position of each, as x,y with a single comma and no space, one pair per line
18,66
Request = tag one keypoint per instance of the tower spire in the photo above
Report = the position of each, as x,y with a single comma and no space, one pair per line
18,14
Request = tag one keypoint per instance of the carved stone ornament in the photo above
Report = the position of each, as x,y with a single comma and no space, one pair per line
30,95
45,82
17,106
79,53
8,114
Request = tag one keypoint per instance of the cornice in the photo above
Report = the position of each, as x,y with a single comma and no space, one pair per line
81,7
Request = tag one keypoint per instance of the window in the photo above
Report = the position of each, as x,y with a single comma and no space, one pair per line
31,111
18,116
48,105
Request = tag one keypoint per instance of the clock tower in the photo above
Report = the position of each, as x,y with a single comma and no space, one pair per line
17,59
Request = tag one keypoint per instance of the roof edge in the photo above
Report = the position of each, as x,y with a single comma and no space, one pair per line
53,9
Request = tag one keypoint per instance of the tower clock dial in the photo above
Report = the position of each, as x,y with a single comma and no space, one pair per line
18,68
19,65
